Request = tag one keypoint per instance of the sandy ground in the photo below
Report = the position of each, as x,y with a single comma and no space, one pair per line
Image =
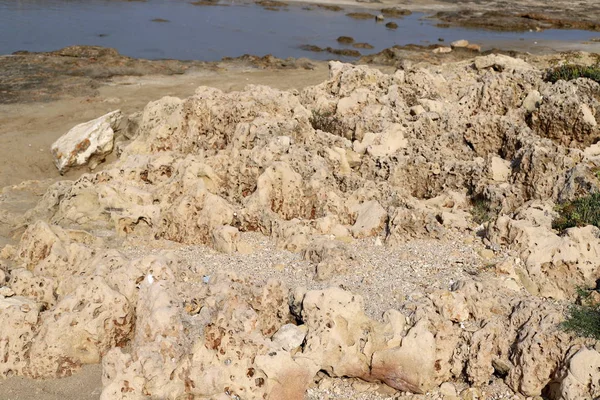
85,385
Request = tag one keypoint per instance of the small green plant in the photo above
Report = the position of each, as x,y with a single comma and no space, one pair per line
579,212
327,121
482,210
583,319
569,71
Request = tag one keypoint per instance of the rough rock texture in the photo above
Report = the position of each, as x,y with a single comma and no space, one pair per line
363,156
86,142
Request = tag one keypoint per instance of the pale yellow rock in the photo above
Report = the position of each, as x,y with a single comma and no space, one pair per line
225,238
532,101
244,247
447,389
588,115
442,50
471,394
486,254
500,169
8,252
371,219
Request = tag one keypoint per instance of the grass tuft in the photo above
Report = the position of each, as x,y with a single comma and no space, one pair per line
583,319
569,72
579,212
482,210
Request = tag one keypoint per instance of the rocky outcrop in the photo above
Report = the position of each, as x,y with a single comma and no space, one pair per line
363,156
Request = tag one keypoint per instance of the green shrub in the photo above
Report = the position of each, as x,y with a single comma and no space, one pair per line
583,319
568,72
580,212
482,210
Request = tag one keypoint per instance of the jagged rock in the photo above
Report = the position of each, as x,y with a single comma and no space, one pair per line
79,330
579,378
554,264
566,114
86,142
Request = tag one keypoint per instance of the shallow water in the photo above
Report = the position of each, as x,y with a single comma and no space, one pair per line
212,32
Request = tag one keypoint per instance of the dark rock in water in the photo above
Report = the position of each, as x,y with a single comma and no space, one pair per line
343,52
160,20
271,62
362,46
510,20
102,34
330,7
311,47
391,25
271,4
395,12
361,15
345,40
208,3
440,39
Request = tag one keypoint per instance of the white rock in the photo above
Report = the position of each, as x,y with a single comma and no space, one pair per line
289,337
460,43
442,50
84,141
532,101
448,389
501,62
5,291
500,169
583,376
588,115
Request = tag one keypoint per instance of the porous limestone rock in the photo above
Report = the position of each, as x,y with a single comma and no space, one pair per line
400,156
79,330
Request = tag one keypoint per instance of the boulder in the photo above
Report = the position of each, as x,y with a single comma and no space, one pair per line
87,142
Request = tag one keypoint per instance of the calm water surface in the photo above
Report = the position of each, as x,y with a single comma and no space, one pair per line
212,32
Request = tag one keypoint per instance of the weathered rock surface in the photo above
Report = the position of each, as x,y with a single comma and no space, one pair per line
363,156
